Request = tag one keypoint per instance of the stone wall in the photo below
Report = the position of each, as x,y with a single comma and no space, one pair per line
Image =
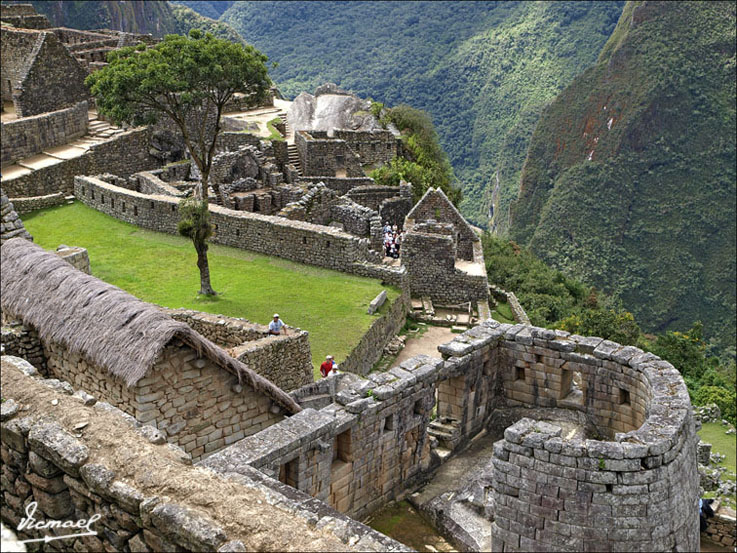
429,253
372,147
372,195
50,80
635,489
340,184
23,342
285,360
25,137
23,16
123,155
295,240
518,312
11,225
721,529
16,48
357,454
27,205
435,206
194,403
145,496
77,257
369,349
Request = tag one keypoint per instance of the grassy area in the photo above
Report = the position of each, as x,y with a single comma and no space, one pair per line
714,433
275,134
503,313
162,269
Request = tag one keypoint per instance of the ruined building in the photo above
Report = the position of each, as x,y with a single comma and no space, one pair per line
196,432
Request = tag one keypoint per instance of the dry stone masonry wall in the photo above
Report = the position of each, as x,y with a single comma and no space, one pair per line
285,360
11,225
25,137
53,466
295,240
635,489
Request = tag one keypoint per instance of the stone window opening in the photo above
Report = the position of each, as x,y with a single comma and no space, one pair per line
102,199
237,232
304,240
135,211
93,193
519,373
571,387
328,244
418,410
112,203
123,206
289,472
624,397
387,425
83,191
173,207
152,205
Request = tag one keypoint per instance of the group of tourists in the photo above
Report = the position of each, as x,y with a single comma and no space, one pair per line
392,240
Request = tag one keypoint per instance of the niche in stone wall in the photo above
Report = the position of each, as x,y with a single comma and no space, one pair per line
519,373
343,447
289,473
571,390
387,425
624,397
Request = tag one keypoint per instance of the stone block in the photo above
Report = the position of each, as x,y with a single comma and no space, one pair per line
58,505
53,442
187,527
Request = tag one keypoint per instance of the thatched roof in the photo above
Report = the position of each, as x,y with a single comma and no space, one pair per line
109,327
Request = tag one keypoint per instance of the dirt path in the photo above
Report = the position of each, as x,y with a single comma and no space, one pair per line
427,343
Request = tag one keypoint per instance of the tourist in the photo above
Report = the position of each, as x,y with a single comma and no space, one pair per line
327,366
387,227
276,326
398,241
387,244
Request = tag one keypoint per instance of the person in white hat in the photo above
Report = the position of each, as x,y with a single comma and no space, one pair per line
276,326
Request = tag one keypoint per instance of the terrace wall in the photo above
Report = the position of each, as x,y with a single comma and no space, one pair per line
25,137
370,348
122,155
295,240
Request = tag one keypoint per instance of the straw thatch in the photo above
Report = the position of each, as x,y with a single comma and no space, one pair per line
107,326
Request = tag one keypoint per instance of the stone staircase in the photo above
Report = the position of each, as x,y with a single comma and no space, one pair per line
447,431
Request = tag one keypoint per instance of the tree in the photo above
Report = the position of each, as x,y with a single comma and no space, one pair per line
194,223
189,80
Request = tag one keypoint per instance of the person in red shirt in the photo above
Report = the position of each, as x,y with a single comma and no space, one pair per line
327,366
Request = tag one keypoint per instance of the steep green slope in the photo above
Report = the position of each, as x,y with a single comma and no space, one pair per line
483,70
157,18
630,177
209,8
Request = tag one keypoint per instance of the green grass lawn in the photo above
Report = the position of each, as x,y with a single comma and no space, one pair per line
503,313
714,433
162,269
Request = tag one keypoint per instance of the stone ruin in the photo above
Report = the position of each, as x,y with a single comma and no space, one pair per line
594,442
627,482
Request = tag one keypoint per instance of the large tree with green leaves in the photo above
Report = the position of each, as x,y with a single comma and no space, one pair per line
189,80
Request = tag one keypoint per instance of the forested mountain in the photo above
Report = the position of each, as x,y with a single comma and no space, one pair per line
630,177
157,18
483,70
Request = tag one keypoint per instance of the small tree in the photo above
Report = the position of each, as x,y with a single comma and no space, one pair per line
194,223
190,80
